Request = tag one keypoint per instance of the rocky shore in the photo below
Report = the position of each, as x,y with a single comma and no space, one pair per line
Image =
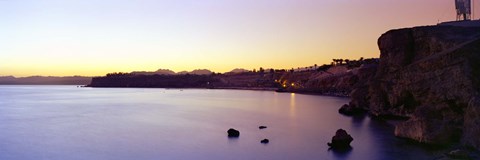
430,75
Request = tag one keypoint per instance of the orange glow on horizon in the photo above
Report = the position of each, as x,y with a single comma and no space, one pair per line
58,38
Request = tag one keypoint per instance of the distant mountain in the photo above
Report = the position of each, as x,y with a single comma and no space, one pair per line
201,72
196,72
165,71
170,72
237,70
183,72
159,72
40,80
7,78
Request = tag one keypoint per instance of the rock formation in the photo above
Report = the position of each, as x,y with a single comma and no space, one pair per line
341,140
265,141
351,110
338,80
233,132
432,76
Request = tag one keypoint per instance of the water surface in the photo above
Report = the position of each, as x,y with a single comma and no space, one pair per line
66,122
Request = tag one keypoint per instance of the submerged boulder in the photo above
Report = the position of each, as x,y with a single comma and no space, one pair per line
233,133
264,141
341,140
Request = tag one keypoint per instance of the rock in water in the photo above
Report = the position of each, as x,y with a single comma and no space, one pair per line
350,110
262,127
341,140
264,141
233,133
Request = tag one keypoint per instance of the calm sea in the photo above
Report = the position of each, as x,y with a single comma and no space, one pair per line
70,123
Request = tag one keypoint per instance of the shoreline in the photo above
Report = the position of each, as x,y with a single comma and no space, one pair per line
247,88
250,89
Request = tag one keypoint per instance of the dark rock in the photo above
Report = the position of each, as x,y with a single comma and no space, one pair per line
350,110
233,133
264,141
341,140
431,75
360,92
459,154
262,127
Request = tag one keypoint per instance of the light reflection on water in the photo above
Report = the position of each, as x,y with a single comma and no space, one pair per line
65,122
292,105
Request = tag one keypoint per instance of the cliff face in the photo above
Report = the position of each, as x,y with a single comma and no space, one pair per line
339,80
431,75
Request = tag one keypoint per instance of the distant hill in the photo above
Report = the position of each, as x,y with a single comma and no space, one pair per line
159,72
183,72
201,72
237,70
196,72
170,72
41,80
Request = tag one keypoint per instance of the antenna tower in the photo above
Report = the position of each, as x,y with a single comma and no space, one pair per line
464,10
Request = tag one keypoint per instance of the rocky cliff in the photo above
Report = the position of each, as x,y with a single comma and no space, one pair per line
430,75
338,80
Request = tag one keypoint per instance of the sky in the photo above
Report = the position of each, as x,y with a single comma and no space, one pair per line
95,37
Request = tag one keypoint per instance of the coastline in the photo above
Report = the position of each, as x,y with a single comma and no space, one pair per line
247,88
342,95
409,81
